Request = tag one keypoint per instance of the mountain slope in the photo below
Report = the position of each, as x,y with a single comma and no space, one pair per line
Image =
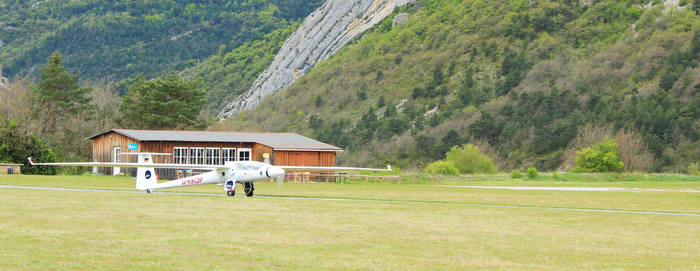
321,35
519,78
117,40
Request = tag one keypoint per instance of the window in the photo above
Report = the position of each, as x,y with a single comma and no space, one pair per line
197,156
213,156
244,154
179,155
228,154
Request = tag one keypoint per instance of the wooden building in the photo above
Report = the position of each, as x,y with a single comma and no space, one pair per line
208,148
11,168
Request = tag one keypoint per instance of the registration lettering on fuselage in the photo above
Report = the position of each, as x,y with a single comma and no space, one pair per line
194,180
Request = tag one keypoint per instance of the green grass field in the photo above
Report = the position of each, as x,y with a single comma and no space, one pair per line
388,226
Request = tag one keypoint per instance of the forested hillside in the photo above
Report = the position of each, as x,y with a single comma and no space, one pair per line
232,71
530,82
118,40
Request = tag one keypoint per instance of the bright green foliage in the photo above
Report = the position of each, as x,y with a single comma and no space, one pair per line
516,174
167,103
532,173
441,167
693,169
469,160
15,147
601,158
59,95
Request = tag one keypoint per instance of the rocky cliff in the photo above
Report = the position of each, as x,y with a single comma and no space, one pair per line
3,80
322,34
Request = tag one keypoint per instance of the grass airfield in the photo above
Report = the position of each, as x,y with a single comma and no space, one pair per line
376,226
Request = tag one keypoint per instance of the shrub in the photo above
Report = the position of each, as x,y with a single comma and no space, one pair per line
15,147
532,173
601,158
442,168
555,175
469,160
516,174
693,169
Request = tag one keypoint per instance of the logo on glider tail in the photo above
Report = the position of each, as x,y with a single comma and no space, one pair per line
148,174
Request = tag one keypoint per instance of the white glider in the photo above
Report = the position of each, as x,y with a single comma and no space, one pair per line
229,175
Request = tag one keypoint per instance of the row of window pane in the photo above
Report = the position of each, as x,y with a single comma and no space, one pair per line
208,156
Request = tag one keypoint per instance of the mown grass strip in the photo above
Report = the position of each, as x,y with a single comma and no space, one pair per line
372,200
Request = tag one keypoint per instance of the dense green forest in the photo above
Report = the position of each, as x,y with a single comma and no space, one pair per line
119,40
528,81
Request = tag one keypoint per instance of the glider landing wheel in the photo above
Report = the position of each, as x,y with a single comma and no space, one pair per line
148,191
231,193
248,188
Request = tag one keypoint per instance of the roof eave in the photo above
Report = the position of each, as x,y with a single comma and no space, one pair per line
319,150
98,134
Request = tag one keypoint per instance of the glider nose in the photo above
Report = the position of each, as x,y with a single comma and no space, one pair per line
274,172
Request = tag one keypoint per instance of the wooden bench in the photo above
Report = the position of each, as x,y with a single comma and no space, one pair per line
183,173
302,177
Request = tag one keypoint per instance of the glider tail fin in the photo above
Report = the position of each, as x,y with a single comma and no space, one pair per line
145,176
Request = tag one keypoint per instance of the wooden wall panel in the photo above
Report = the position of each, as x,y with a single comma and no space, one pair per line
298,158
281,158
327,159
103,149
259,150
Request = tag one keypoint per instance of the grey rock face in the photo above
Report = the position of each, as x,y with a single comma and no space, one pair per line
322,35
3,80
400,19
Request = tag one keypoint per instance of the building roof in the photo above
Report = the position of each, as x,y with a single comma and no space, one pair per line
277,141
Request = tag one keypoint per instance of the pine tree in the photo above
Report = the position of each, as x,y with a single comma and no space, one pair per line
167,103
59,95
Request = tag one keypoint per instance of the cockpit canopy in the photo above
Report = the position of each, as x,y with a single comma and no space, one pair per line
249,165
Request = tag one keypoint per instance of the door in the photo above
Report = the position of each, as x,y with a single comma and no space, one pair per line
117,151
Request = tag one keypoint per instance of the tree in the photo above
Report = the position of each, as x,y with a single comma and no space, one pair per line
469,160
167,103
15,147
319,101
315,122
601,158
381,102
633,151
59,95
